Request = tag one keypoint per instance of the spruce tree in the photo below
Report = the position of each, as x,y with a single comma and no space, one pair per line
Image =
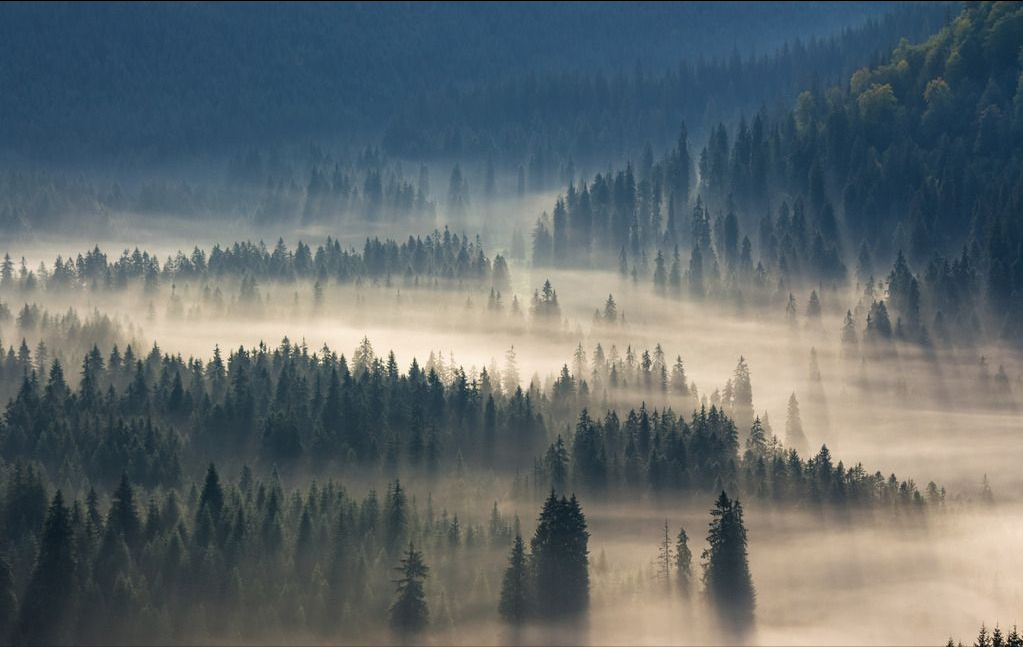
8,601
665,557
726,575
212,498
555,461
560,560
123,517
742,395
409,613
794,436
683,563
515,593
983,637
756,442
395,518
47,614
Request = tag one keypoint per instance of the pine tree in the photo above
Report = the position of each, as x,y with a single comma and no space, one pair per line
8,601
409,613
123,517
665,557
794,436
610,310
395,518
675,275
555,461
756,443
212,498
660,273
683,563
726,575
48,611
813,310
560,560
983,638
742,395
1014,639
850,340
515,592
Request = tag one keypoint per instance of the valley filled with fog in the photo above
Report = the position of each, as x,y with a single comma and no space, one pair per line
394,331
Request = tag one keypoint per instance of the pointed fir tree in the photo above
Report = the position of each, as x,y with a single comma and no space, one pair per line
515,589
8,601
409,614
794,436
211,500
683,564
395,518
726,575
560,560
665,557
47,614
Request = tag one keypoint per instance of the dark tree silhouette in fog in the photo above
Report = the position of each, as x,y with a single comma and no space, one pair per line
726,574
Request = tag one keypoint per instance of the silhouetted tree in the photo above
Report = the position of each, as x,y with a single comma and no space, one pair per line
726,575
409,613
560,560
514,605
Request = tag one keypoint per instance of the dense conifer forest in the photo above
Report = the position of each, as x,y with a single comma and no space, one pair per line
511,323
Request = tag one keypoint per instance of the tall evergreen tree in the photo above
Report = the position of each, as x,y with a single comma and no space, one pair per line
665,557
742,395
395,518
409,613
8,601
683,563
211,500
726,575
794,436
123,517
49,609
515,589
560,560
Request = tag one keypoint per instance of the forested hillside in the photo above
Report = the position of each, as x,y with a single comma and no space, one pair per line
158,79
882,172
504,323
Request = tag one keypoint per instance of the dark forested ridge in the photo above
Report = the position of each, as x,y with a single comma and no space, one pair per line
159,79
884,167
580,120
314,129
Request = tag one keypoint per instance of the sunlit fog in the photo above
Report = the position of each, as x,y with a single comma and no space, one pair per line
511,324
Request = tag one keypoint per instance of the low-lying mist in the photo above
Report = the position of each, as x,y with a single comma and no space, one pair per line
926,414
930,414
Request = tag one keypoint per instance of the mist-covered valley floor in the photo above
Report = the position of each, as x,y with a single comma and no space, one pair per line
927,415
521,323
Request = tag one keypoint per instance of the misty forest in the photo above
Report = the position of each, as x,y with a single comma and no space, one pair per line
435,323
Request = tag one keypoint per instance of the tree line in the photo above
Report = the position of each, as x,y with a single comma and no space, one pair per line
247,558
156,417
438,256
